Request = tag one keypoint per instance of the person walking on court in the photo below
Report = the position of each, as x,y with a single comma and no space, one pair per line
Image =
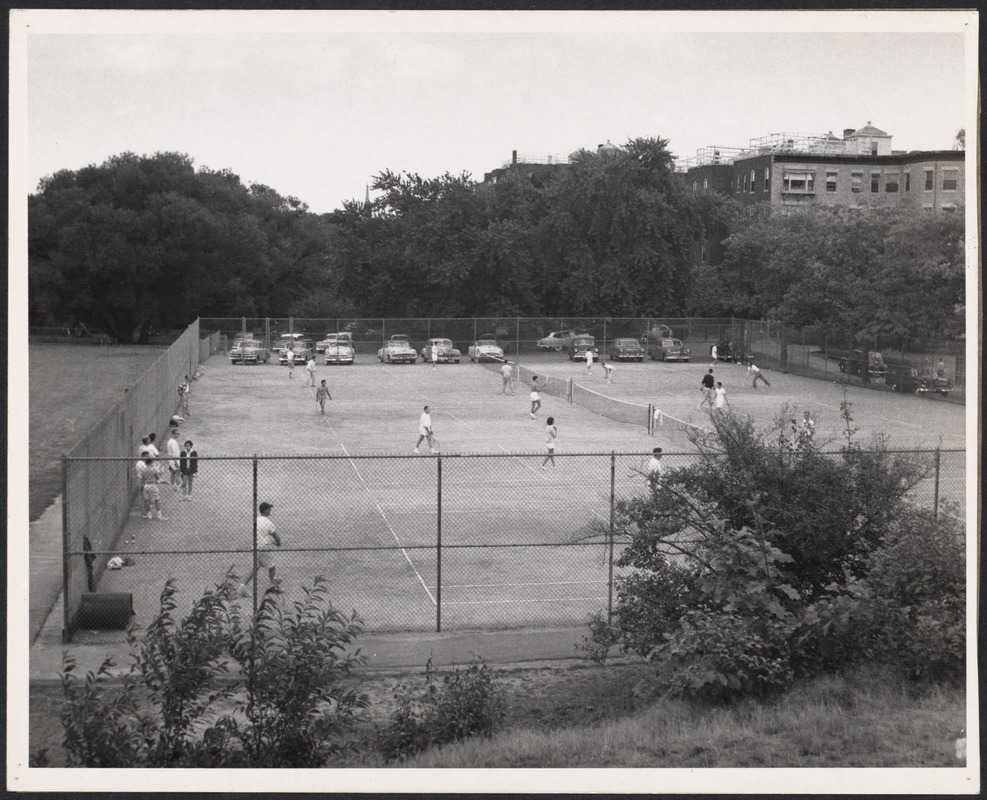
721,403
310,369
713,354
507,375
183,391
706,386
551,433
290,356
753,370
424,431
806,431
535,399
321,395
655,469
607,372
152,495
589,361
150,444
267,539
188,463
434,354
174,468
140,471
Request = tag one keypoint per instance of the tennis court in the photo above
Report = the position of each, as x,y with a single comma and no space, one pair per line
517,542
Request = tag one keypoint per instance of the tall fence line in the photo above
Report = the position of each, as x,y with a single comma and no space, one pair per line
809,351
444,542
96,502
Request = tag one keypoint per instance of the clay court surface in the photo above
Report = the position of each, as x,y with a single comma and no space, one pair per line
509,530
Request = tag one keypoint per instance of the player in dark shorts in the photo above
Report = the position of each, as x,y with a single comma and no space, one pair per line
706,387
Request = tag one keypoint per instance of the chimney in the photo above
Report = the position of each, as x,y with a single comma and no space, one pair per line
514,156
848,132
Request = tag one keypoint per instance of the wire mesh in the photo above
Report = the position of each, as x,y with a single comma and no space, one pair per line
410,543
610,407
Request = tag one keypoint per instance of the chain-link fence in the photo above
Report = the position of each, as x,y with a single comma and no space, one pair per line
904,365
412,543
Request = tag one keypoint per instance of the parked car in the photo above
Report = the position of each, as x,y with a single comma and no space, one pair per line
398,350
486,349
343,336
556,340
249,351
448,354
668,350
655,334
303,352
853,363
620,349
281,343
731,352
339,351
908,380
579,344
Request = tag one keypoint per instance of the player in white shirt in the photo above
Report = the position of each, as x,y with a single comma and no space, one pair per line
174,451
551,433
424,430
720,402
655,469
756,373
713,354
267,540
507,375
607,372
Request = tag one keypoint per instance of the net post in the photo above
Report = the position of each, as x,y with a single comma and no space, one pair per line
613,475
568,390
651,419
438,546
935,498
66,621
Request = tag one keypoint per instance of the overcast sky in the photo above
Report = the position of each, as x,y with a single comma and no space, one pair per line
314,105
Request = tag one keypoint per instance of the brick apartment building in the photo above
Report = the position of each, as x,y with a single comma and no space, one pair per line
790,172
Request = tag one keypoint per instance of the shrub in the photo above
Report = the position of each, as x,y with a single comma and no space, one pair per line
465,704
169,709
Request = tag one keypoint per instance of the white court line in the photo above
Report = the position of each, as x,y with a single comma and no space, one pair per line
381,512
525,463
519,600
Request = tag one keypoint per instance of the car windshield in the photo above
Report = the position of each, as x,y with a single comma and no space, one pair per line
486,343
399,337
625,342
399,343
442,343
582,340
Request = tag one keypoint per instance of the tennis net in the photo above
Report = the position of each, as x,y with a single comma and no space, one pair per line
675,430
557,387
610,407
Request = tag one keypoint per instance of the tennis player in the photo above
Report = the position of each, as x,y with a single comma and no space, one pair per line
535,399
551,433
607,372
424,430
706,387
507,375
721,403
321,395
655,469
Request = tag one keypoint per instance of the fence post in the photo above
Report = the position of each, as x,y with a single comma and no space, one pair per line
66,623
935,497
517,337
613,473
438,547
253,517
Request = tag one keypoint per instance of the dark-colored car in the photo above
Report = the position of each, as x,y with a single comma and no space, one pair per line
731,351
620,349
578,345
656,334
853,363
908,380
249,351
668,350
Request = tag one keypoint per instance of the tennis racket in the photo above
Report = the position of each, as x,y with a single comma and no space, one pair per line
435,444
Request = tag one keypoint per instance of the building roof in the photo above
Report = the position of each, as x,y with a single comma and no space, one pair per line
869,130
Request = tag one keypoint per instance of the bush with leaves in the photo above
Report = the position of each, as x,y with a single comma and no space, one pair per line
466,703
763,562
172,707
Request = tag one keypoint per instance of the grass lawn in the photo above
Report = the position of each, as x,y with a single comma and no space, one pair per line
577,714
71,387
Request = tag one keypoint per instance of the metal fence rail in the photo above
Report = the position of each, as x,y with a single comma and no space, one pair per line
412,543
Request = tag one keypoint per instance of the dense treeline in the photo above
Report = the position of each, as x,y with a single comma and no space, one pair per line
149,241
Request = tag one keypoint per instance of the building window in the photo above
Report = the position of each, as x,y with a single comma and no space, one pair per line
873,148
695,185
856,182
949,179
830,181
929,180
875,181
767,179
705,184
753,180
702,252
949,208
908,181
891,181
738,183
797,182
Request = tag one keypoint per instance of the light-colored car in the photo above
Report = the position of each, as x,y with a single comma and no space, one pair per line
342,336
668,350
448,354
281,343
486,350
556,340
398,350
249,351
339,351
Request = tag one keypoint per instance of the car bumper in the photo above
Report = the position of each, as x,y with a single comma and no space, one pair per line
330,359
677,356
622,356
400,359
448,359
